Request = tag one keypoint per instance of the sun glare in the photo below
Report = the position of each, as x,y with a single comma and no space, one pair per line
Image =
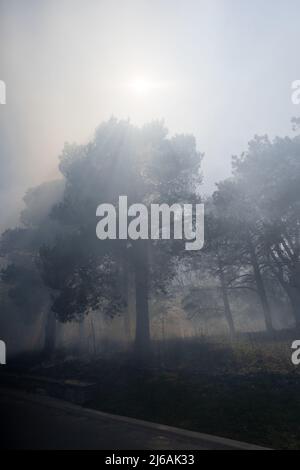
142,86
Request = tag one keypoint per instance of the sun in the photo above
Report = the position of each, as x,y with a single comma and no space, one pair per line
143,86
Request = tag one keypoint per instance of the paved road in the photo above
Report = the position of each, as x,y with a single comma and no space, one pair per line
38,422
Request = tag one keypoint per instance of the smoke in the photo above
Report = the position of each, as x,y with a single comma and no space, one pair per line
67,65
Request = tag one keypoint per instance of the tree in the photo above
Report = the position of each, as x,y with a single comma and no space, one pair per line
20,246
270,175
146,166
237,219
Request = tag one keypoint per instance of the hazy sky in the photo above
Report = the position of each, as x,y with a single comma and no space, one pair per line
220,69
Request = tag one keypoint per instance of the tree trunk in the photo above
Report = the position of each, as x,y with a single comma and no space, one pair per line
294,297
142,333
81,327
292,293
227,309
260,287
126,288
50,333
93,335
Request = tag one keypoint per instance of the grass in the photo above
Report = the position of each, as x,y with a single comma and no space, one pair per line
247,390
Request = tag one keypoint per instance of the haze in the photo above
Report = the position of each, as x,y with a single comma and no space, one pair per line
210,68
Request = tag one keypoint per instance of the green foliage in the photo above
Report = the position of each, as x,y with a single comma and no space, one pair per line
146,166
